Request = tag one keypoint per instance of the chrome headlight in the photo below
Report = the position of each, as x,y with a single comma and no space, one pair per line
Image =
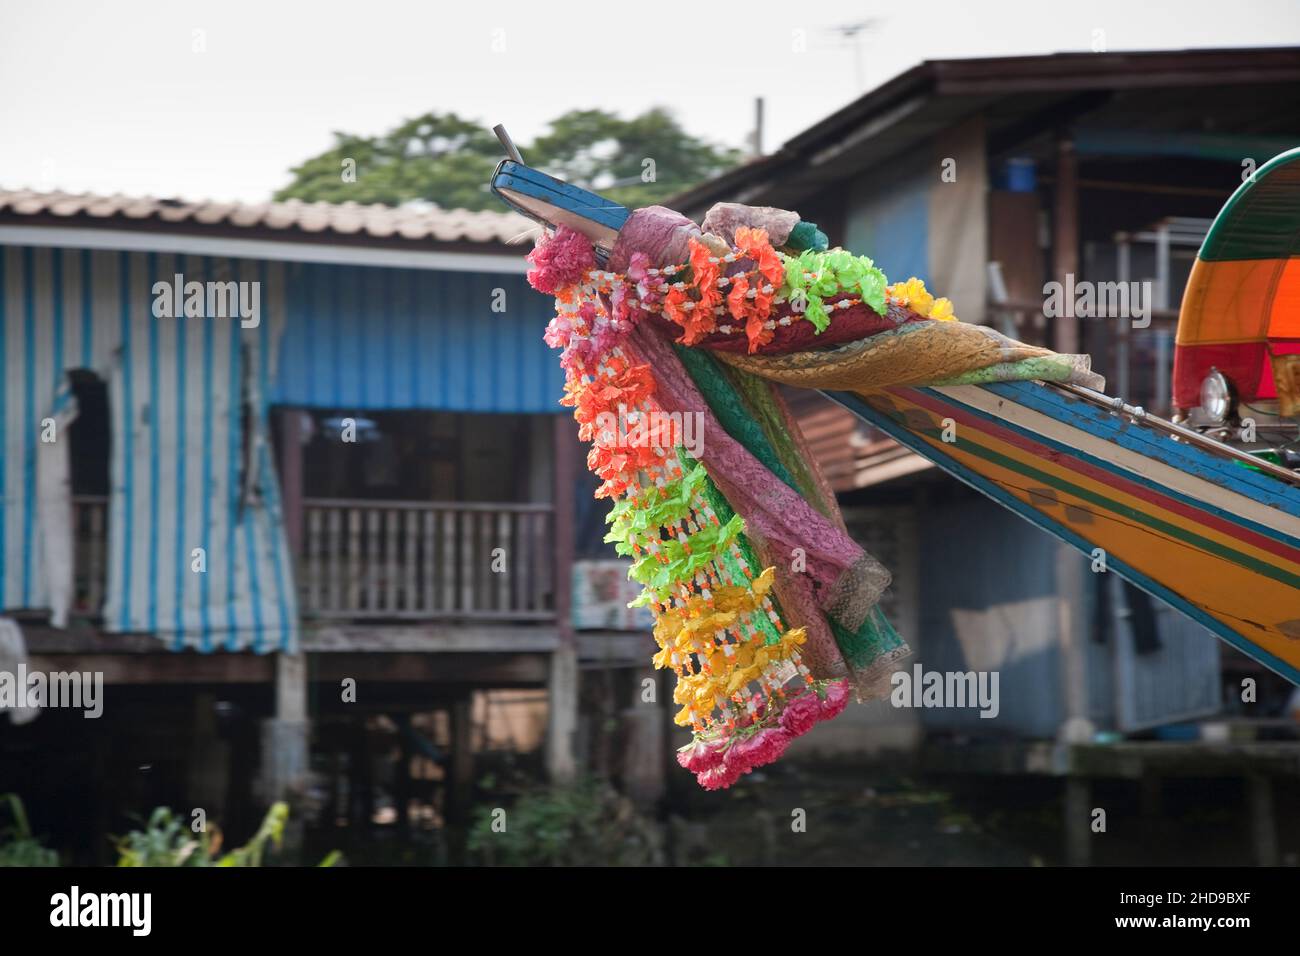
1216,397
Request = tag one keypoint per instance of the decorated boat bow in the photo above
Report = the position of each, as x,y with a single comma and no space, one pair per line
675,337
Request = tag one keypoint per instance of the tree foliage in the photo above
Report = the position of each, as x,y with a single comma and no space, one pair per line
447,160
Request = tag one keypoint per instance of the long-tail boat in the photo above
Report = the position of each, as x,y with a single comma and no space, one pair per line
1207,526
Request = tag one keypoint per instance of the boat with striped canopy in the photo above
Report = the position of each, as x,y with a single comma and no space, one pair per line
1237,353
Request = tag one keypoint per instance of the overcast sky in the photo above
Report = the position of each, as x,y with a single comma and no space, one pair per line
128,97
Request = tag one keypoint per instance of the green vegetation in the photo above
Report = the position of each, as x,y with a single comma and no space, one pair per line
167,841
586,824
444,159
17,845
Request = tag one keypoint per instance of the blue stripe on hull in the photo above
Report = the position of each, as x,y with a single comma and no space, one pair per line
1079,414
989,488
1116,430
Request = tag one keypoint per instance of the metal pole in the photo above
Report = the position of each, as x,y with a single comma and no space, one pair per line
1162,266
1117,406
1122,268
1163,368
508,144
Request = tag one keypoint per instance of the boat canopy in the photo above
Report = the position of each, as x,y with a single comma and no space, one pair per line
1241,310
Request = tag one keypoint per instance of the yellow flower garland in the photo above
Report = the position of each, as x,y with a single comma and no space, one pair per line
913,295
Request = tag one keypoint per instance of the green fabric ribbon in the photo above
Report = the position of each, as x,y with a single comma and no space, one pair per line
806,235
875,637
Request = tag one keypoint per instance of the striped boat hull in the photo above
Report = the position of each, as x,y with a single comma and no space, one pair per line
1215,540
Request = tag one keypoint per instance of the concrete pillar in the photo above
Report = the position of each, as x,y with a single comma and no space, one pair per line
285,737
208,773
643,759
1072,571
402,779
562,718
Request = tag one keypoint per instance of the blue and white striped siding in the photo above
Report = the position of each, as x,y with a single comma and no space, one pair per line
361,337
174,405
46,328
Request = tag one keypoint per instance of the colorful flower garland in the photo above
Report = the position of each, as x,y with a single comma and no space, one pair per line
741,684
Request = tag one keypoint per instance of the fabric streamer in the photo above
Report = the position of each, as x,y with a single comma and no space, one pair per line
765,608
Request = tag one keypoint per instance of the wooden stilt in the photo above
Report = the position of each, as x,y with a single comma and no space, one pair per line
1263,822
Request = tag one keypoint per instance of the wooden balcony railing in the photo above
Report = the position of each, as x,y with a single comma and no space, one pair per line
399,560
426,560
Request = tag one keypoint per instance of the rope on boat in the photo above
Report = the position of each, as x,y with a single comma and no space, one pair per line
1141,416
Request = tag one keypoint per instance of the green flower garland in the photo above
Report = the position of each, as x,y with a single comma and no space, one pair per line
638,525
812,277
704,548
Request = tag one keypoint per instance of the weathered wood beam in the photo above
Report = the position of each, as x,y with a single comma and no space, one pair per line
488,670
163,667
562,678
427,638
1065,236
291,440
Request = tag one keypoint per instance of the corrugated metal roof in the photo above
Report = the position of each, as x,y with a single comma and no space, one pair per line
883,123
418,224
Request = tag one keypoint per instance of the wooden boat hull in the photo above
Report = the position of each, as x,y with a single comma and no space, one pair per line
1209,536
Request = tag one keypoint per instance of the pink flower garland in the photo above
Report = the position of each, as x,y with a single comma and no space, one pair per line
560,260
719,762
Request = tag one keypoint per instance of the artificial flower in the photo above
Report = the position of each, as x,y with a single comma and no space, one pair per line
913,295
705,270
701,754
638,267
757,750
560,260
942,310
802,713
717,778
756,247
837,697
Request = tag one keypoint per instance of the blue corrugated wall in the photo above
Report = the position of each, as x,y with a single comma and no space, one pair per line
363,337
891,223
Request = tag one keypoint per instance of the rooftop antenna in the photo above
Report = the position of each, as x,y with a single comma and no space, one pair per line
852,32
508,144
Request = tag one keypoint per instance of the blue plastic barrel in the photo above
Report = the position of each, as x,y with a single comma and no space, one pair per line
1018,175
